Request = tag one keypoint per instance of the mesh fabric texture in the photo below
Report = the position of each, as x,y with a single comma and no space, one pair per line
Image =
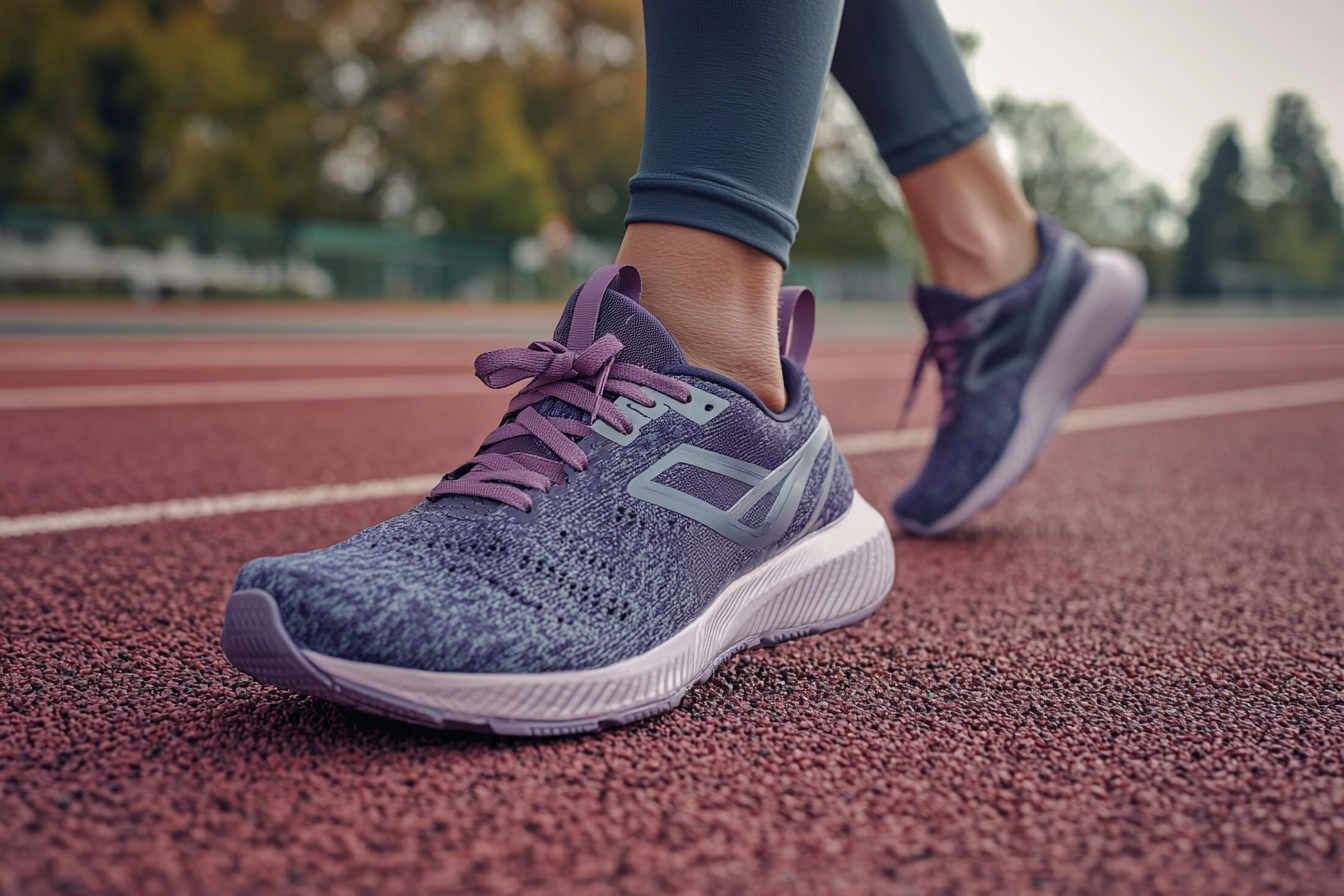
590,577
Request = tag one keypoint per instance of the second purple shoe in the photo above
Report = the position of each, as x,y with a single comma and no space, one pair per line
632,522
1011,364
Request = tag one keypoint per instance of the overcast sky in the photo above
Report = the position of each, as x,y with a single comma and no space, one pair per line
1153,76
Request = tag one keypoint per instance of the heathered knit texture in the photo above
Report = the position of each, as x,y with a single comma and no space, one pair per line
590,577
967,448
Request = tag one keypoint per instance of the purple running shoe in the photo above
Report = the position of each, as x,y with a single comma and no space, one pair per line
632,523
1011,364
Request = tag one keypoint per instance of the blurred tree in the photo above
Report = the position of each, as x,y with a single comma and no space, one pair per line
1069,173
1301,230
1272,228
1218,227
967,42
843,222
468,114
474,159
480,115
487,116
1300,159
124,104
1072,175
850,207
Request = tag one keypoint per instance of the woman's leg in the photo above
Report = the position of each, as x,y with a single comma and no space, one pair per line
1052,311
734,90
897,61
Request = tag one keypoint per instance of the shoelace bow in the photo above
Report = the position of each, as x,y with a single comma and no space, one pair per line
581,379
940,347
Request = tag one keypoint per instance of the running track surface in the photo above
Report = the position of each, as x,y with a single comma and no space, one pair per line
1126,677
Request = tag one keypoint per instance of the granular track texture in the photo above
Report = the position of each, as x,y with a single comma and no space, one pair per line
1126,677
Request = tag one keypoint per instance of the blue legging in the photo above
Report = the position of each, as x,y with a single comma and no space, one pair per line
734,90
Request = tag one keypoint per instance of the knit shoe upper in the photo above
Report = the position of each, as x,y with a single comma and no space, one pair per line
986,351
621,493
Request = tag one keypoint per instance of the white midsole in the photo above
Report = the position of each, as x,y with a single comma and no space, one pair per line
1106,308
837,573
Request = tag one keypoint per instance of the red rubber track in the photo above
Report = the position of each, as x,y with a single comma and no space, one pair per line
1126,677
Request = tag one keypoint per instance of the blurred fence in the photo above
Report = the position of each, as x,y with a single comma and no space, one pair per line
877,281
150,256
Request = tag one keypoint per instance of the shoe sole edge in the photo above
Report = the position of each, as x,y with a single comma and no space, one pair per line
835,577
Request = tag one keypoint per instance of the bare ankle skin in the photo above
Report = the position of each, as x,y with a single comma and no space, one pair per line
977,230
718,298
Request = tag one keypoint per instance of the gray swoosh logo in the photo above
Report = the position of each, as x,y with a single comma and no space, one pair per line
787,482
1038,326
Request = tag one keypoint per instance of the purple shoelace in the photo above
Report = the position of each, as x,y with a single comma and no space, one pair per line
580,374
941,347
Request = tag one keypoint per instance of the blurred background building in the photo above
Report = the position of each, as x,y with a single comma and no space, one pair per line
480,151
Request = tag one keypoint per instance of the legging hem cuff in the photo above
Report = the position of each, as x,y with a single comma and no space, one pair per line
713,207
904,159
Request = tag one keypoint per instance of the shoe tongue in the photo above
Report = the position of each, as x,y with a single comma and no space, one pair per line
645,342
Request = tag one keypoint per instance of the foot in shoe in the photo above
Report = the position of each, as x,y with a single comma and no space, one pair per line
631,523
1011,364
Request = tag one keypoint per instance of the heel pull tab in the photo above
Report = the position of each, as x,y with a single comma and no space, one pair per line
797,313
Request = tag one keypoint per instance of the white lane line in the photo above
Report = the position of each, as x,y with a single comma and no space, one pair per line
239,391
1159,410
210,357
887,440
1185,407
1214,404
219,505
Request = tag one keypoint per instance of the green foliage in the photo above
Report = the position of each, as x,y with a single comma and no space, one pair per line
1069,173
1301,164
482,116
842,224
123,104
1302,230
850,207
1219,225
1269,228
475,159
494,115
348,108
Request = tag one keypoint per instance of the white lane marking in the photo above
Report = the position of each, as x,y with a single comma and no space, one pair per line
219,505
238,391
197,357
1214,404
1185,407
887,440
1159,410
1151,366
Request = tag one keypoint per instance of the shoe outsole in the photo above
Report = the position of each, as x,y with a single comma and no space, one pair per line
854,581
1099,321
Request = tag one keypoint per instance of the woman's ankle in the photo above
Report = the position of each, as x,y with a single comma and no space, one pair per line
987,257
719,299
977,230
